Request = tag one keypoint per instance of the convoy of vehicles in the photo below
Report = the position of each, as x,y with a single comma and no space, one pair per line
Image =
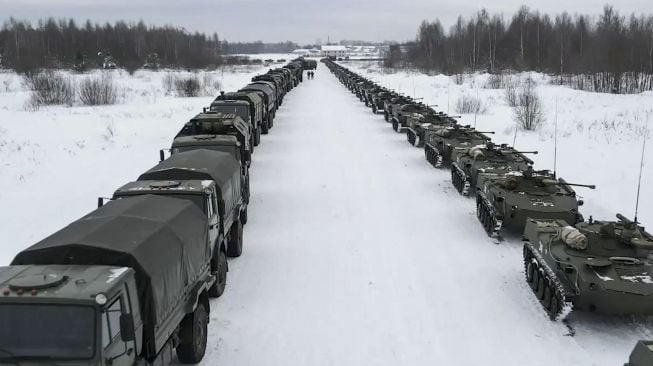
595,266
129,283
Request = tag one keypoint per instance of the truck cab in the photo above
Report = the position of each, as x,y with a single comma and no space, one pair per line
70,314
240,108
214,124
228,144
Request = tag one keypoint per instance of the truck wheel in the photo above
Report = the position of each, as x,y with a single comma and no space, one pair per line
235,248
219,268
257,137
192,344
264,126
243,216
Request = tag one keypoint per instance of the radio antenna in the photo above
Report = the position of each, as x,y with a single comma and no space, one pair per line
555,142
641,165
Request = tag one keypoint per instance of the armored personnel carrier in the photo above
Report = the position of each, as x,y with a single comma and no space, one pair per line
400,115
595,266
508,200
467,163
440,144
389,105
642,354
419,125
377,100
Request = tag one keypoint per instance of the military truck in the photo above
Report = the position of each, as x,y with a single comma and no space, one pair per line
124,285
241,109
298,71
275,81
311,64
440,144
468,162
642,354
286,75
278,96
231,192
224,103
419,125
507,200
595,266
269,97
215,123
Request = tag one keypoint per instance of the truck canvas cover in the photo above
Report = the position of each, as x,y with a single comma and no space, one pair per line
201,164
163,239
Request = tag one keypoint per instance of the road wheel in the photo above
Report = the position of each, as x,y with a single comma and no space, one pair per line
257,137
219,269
235,248
541,285
192,343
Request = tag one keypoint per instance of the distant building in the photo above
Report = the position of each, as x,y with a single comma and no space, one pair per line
334,51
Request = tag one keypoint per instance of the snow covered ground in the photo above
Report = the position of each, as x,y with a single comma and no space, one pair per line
357,252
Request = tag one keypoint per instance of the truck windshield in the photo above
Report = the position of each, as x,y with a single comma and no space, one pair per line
241,110
47,331
197,199
223,148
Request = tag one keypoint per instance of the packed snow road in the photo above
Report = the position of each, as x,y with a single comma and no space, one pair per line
357,252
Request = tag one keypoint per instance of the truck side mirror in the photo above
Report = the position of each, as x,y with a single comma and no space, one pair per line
100,202
127,331
161,155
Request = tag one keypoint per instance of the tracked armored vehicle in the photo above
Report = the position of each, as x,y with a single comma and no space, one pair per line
468,163
508,200
390,104
595,266
440,144
419,125
400,115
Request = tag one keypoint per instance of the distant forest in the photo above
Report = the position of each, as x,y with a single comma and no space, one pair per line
608,53
64,44
54,43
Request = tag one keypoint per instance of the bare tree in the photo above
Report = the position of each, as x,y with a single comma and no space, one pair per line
528,111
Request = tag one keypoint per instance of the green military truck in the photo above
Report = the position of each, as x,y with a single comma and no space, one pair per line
215,123
224,170
248,106
269,97
126,284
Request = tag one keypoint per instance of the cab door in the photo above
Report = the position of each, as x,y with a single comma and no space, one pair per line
116,351
214,221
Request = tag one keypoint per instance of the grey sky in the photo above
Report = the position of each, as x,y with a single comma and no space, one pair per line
302,21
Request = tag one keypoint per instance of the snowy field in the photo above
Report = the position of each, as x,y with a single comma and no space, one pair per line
357,251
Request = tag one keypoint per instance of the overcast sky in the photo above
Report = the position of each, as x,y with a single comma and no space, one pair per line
303,21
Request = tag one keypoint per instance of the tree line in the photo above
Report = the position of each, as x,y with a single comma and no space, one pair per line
64,44
608,53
